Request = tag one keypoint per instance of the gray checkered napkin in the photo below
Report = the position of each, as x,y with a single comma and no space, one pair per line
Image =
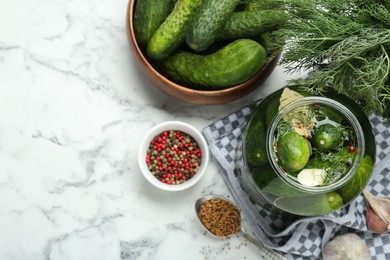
301,238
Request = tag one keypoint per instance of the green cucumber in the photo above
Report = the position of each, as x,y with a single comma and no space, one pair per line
252,23
171,34
254,5
293,151
328,137
208,21
255,149
261,5
148,16
233,64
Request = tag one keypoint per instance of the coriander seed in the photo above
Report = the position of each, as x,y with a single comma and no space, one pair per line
220,217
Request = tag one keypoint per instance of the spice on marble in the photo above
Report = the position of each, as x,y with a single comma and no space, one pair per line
220,217
173,157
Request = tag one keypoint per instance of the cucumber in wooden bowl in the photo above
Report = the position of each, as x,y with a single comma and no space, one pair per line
148,16
208,21
171,34
246,24
231,65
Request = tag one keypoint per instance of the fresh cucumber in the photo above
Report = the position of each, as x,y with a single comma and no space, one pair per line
208,21
255,150
328,137
261,5
252,23
253,5
168,37
148,16
233,64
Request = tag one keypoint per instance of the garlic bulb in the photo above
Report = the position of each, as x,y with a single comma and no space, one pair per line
378,212
346,247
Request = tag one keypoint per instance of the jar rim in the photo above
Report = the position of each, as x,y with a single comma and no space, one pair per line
346,113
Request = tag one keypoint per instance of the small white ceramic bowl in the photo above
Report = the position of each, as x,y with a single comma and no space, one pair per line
167,126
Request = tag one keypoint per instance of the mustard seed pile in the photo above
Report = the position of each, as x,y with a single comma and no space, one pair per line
173,157
220,217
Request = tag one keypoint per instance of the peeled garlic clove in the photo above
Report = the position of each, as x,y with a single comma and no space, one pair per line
346,247
380,207
311,177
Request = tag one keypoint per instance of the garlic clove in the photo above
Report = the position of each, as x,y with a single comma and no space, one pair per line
381,207
374,222
346,247
311,177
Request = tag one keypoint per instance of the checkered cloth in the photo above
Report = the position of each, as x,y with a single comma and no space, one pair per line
303,238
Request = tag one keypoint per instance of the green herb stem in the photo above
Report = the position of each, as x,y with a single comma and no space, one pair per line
344,44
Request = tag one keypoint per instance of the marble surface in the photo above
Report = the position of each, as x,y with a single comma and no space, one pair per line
73,109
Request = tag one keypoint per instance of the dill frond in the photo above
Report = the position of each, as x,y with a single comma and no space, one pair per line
344,44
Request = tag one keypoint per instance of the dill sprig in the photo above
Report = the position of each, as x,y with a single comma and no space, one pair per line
334,164
282,128
345,44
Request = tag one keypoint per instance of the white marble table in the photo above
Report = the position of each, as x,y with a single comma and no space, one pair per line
73,109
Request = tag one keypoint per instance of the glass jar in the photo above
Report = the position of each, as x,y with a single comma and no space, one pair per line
306,155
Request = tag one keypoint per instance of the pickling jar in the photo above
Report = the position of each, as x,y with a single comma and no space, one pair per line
312,181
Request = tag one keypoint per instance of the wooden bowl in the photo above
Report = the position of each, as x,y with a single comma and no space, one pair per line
183,93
